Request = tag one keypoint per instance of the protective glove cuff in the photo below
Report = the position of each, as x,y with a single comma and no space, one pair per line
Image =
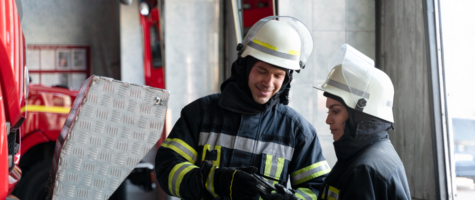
236,183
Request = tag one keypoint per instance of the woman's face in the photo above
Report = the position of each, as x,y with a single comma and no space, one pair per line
337,115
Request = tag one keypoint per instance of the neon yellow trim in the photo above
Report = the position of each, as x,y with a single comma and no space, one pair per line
264,44
210,181
299,196
218,160
231,186
308,192
205,149
179,151
325,171
176,192
334,190
314,175
280,166
292,52
210,185
50,109
268,166
170,177
180,178
315,165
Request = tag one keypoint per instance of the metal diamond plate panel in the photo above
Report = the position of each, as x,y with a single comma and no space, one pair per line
110,128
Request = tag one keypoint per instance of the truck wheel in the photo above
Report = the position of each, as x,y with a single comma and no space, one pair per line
33,183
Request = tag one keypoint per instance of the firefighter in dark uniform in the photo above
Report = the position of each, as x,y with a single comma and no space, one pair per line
359,102
222,140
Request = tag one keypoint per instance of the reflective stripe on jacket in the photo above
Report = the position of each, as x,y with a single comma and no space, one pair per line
279,142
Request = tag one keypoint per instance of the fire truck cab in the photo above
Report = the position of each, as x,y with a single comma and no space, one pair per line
13,93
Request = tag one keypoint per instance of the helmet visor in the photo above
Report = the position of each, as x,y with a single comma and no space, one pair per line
356,69
306,41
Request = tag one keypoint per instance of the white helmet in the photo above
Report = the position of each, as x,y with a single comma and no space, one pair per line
362,87
285,42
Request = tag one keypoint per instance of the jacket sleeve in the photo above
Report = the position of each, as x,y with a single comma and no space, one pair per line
308,167
365,183
176,162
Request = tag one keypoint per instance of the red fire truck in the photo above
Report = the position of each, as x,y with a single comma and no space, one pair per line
13,92
48,107
46,111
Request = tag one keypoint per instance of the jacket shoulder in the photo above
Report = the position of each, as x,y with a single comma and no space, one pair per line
305,127
380,157
203,101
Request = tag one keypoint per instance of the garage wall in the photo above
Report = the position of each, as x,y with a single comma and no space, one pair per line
87,22
331,22
192,29
131,44
404,58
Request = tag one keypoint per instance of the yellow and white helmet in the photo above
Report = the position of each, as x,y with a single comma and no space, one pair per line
362,87
279,40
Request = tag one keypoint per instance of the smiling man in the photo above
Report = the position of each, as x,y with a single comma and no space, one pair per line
223,140
265,81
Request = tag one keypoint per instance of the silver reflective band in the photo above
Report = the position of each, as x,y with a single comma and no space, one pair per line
310,172
210,182
344,87
246,144
333,195
182,148
304,195
270,181
273,168
175,177
273,52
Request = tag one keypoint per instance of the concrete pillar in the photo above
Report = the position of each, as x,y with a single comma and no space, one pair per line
331,22
192,46
403,57
131,44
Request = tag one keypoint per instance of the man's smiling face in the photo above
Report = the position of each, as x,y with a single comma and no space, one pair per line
264,81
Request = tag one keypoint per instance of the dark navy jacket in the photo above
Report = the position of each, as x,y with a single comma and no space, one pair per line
279,142
368,167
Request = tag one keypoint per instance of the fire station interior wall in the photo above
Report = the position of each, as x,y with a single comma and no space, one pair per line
331,22
85,22
131,44
404,58
191,52
230,38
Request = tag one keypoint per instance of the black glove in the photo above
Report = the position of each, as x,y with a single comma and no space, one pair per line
236,183
282,193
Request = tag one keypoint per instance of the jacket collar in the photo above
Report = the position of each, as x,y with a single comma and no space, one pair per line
367,133
237,97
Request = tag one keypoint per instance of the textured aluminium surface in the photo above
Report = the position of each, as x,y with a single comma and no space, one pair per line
111,126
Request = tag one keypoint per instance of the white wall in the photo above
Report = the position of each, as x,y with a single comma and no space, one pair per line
191,52
89,22
331,22
131,44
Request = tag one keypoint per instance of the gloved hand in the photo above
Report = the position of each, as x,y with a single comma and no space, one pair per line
236,183
282,193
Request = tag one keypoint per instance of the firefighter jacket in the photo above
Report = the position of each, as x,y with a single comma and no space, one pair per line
278,141
368,167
